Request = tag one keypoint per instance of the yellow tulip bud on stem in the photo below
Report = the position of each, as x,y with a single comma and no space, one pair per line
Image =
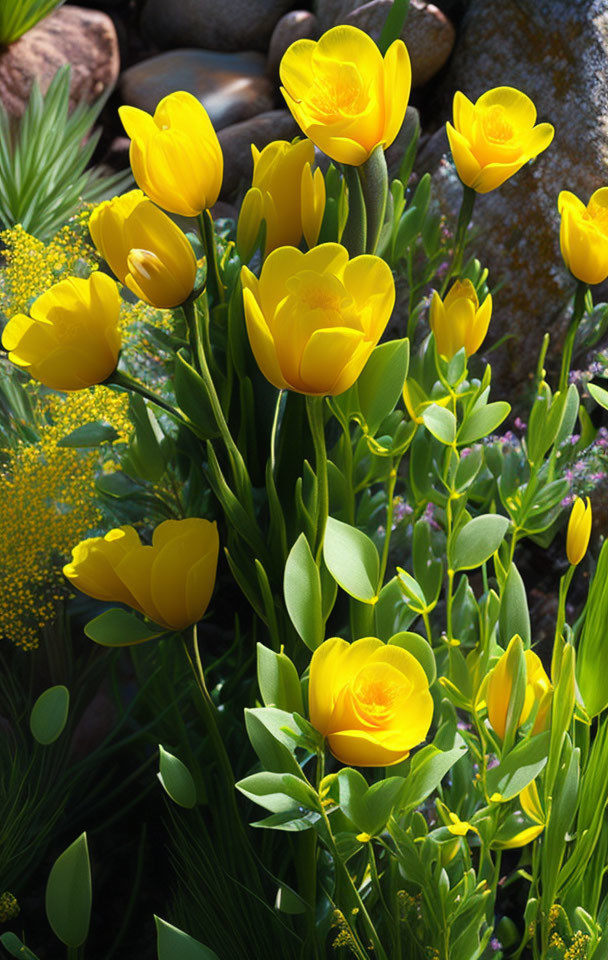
577,541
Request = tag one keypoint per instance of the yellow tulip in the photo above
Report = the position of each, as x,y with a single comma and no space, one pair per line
370,699
71,339
500,686
583,235
314,318
579,531
285,195
171,582
459,321
529,801
494,137
344,95
175,155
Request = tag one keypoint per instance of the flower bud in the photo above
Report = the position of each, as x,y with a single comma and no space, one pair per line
583,235
459,321
579,531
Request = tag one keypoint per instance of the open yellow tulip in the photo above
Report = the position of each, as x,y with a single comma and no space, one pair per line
314,318
344,95
583,235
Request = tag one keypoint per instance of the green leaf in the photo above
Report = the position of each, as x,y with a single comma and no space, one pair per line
394,24
89,435
352,559
592,653
117,628
68,894
599,394
440,422
477,541
145,457
193,398
302,590
174,944
279,792
483,422
368,807
49,714
16,948
420,649
380,384
278,681
176,779
274,747
427,769
519,768
514,614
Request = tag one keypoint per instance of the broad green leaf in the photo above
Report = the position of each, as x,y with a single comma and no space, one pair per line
302,590
381,382
477,541
89,435
68,894
394,24
145,456
193,398
279,792
176,779
427,769
368,807
118,628
278,681
420,649
514,614
592,653
352,559
49,714
599,394
519,768
16,948
273,746
440,422
174,944
483,422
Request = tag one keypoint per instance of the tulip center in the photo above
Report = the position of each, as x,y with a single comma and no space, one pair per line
323,292
598,214
377,689
337,91
496,124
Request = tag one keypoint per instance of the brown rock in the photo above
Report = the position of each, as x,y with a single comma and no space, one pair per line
236,144
296,25
84,38
231,86
213,24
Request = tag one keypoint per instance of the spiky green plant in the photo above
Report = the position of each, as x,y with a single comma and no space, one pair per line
19,16
44,157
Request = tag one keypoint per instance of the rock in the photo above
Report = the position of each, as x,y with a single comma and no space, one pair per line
296,25
84,38
213,24
428,34
231,86
236,143
557,53
394,154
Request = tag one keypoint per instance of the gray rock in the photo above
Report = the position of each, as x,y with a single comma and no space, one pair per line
213,24
84,38
394,154
296,25
231,86
236,145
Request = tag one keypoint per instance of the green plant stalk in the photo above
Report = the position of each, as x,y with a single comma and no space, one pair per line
215,287
558,640
373,177
354,237
390,508
315,408
577,315
464,218
121,379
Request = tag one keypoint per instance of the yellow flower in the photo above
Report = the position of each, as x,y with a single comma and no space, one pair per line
314,318
175,155
145,249
579,531
459,321
459,827
346,98
370,699
500,686
285,195
493,138
71,338
531,807
171,582
583,235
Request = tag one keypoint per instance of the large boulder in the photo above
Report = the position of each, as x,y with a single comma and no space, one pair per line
213,24
236,143
86,39
295,25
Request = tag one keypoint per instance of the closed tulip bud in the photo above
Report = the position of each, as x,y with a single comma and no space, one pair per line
583,235
314,318
459,321
171,581
370,699
494,137
285,195
71,338
145,249
175,155
504,688
344,95
579,531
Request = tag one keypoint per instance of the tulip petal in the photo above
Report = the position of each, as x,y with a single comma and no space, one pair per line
397,86
324,669
137,123
467,166
324,357
261,341
464,115
295,69
494,175
538,139
521,110
360,749
369,280
135,572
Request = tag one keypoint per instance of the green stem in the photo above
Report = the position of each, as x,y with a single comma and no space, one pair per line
347,463
354,237
215,287
577,315
390,507
558,640
315,408
464,218
121,379
373,176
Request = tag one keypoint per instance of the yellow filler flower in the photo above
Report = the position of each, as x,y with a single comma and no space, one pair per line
285,195
344,95
175,155
314,318
71,339
494,137
500,685
171,582
145,249
370,699
579,531
583,235
459,321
